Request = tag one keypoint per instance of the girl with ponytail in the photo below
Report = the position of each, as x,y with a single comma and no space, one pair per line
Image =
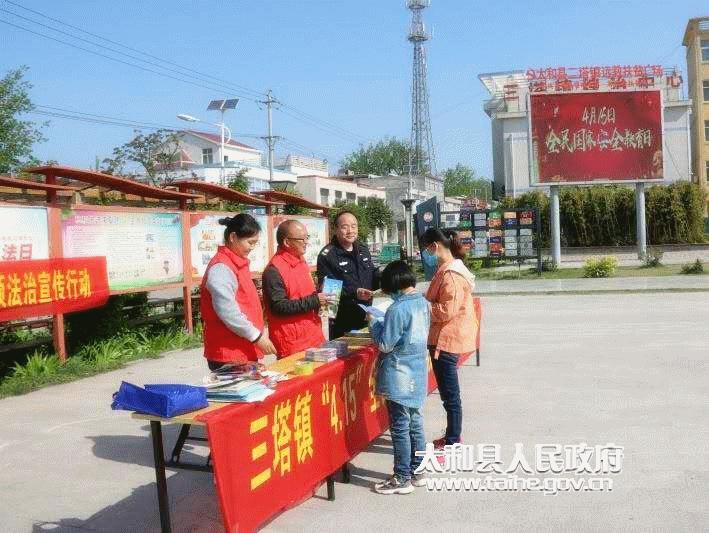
453,323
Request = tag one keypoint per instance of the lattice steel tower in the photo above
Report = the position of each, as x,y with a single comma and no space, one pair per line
422,160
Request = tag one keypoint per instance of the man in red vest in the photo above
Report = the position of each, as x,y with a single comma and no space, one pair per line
292,303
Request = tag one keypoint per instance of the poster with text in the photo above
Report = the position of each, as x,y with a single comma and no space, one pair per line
23,233
317,231
592,137
141,249
206,234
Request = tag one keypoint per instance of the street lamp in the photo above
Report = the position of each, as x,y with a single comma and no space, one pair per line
220,105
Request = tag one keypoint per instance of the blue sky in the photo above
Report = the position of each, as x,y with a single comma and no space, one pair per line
347,63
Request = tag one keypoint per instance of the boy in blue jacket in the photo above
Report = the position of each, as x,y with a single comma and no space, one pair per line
402,373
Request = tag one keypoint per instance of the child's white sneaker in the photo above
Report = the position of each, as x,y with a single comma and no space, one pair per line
418,480
394,486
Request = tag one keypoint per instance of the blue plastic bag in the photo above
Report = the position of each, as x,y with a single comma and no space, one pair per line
165,401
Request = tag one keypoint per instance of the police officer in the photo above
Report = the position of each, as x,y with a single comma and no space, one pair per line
349,260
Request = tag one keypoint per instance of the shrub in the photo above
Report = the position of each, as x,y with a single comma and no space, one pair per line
474,265
653,258
39,365
693,268
601,267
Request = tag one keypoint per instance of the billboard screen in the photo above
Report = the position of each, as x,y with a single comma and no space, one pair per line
596,137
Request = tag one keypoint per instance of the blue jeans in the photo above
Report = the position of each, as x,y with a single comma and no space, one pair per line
406,428
445,369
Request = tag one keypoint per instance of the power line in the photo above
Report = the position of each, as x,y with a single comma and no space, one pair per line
80,116
204,84
231,85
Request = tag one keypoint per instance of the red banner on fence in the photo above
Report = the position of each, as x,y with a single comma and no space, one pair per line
51,286
586,137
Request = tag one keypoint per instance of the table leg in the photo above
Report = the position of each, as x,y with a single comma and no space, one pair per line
331,488
159,459
177,450
346,473
477,357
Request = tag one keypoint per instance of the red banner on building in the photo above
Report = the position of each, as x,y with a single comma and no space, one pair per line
51,286
587,137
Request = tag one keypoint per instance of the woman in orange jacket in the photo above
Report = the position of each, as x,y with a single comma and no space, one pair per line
453,324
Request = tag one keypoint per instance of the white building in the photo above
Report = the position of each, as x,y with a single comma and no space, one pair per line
199,159
509,114
328,190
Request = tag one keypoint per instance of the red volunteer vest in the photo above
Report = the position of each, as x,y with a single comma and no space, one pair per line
294,333
220,343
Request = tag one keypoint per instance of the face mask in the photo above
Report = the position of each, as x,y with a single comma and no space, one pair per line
429,259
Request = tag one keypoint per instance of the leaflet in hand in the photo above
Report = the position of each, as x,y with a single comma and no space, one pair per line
376,313
333,287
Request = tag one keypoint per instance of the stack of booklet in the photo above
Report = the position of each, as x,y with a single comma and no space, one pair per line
320,355
243,391
242,385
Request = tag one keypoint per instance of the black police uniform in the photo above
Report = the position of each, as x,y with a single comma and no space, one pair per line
356,270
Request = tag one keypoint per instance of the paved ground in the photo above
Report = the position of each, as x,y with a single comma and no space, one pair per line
631,369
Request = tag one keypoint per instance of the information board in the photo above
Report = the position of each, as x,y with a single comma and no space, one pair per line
206,234
317,230
23,233
141,249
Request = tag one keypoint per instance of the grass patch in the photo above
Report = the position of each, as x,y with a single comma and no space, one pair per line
42,369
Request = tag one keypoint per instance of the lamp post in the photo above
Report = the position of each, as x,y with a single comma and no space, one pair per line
222,106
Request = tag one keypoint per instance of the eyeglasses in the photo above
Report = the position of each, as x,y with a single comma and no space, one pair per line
304,239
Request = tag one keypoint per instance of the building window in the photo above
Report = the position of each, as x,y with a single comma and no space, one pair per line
226,158
361,200
324,196
207,156
351,197
706,130
706,170
706,90
705,50
338,195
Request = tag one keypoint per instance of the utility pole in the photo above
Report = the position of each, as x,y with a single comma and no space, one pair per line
270,138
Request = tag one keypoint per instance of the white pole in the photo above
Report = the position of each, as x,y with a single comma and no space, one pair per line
640,219
555,225
222,177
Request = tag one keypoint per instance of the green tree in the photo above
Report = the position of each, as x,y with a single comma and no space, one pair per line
16,136
390,155
240,183
157,153
462,180
379,214
364,229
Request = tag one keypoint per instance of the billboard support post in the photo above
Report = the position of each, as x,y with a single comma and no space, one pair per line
640,219
555,225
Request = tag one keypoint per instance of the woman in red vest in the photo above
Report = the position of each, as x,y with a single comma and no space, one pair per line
292,303
231,310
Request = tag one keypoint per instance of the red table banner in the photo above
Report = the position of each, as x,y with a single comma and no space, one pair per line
272,455
51,286
587,137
